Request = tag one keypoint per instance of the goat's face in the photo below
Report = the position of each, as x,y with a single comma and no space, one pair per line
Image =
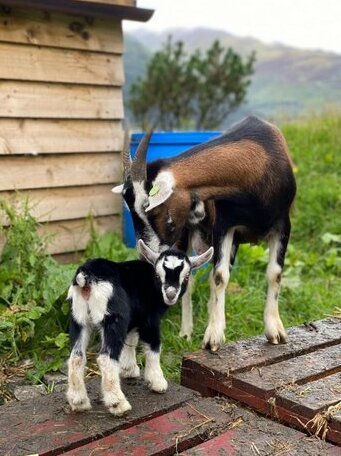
160,213
173,269
169,219
134,193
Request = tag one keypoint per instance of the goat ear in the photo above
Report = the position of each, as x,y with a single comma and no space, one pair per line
118,189
159,193
147,253
199,260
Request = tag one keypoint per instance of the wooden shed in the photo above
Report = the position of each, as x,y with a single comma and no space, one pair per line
61,111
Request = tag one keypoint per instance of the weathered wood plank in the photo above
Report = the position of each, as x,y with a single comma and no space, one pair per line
166,434
32,63
45,424
254,352
264,381
42,100
269,384
66,203
302,403
19,172
69,257
75,7
314,396
41,136
41,28
110,2
263,437
73,235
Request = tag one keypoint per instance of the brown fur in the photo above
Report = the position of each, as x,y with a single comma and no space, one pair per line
281,142
177,207
231,166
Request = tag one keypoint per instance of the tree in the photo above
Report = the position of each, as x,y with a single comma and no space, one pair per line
199,90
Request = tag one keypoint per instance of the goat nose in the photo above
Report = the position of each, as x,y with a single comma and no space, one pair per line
170,293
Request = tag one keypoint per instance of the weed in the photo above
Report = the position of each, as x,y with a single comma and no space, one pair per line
32,291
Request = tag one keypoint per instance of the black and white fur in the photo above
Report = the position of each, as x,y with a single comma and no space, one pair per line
233,208
125,302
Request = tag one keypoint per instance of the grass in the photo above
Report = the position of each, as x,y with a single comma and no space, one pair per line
34,324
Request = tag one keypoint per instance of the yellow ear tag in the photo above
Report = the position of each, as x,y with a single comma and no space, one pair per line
154,190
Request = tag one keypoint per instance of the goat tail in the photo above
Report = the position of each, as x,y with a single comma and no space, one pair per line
81,279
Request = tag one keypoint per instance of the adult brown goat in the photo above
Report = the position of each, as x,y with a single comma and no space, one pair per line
234,189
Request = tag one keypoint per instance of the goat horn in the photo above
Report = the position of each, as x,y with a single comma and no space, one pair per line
138,167
126,154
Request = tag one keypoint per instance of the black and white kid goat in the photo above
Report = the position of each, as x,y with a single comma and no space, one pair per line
125,301
233,189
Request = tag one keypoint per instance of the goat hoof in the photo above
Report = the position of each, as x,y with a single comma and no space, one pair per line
186,335
278,339
160,386
121,408
130,371
214,337
275,332
79,403
215,348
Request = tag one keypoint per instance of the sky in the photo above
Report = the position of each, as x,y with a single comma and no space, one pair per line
307,24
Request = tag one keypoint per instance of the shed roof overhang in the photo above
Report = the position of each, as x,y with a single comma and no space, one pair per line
94,8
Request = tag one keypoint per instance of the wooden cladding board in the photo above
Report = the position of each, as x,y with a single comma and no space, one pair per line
73,235
110,2
66,203
18,173
42,136
42,100
61,108
43,64
41,28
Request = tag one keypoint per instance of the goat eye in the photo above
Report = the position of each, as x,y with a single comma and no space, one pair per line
145,204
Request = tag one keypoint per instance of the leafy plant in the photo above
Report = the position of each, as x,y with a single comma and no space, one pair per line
199,90
32,286
108,246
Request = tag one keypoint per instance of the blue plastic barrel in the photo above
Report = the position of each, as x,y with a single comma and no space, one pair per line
162,145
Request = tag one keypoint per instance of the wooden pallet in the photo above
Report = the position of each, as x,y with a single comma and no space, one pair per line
179,421
298,383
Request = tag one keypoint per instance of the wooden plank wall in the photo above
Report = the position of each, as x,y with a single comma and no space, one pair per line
111,2
60,120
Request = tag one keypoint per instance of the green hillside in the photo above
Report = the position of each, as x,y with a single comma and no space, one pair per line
288,82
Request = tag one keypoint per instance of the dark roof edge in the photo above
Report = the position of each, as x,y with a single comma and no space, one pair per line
86,9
